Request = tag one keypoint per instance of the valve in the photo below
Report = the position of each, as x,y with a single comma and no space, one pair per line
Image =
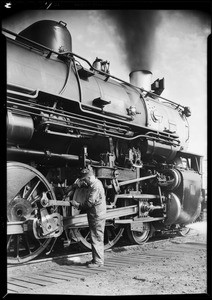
132,111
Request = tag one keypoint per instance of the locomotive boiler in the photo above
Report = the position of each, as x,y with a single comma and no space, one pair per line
64,113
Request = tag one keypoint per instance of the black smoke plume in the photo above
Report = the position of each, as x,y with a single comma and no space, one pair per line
137,29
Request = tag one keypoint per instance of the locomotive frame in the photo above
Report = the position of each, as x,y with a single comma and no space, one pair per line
151,182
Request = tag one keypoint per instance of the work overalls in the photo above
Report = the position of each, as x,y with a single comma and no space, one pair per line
95,206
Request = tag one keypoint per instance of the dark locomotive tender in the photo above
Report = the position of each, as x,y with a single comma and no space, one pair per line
64,114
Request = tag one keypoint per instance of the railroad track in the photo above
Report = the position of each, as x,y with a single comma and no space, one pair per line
66,267
55,255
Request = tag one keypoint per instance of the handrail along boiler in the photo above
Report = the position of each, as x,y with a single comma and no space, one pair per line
64,113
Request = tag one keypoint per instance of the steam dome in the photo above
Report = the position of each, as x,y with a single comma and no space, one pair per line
51,34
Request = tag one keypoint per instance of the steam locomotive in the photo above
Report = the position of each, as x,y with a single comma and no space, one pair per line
63,114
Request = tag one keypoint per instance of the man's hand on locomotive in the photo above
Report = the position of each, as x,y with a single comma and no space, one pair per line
69,191
75,204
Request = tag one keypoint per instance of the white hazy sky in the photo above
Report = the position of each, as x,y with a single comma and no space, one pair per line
180,55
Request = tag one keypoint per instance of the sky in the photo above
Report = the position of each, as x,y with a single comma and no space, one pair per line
177,47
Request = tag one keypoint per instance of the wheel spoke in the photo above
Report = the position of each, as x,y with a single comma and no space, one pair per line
109,234
25,191
16,245
32,190
106,236
87,236
9,242
26,244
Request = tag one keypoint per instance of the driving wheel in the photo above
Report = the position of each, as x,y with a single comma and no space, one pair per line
112,233
139,237
25,188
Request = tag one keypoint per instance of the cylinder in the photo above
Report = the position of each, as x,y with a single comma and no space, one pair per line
141,78
20,128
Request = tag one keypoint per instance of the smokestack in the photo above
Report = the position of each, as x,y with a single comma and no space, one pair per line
141,79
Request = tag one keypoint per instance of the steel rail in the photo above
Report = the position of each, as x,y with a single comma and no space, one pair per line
75,255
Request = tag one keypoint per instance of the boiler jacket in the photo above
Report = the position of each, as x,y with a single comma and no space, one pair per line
95,206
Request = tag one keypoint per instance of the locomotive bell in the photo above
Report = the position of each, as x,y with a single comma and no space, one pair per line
141,78
51,34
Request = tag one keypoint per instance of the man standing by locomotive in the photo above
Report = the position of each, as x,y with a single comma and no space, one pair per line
95,206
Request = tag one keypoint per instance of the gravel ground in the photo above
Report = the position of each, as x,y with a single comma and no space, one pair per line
186,274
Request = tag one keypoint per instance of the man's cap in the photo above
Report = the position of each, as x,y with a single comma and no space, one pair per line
88,171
